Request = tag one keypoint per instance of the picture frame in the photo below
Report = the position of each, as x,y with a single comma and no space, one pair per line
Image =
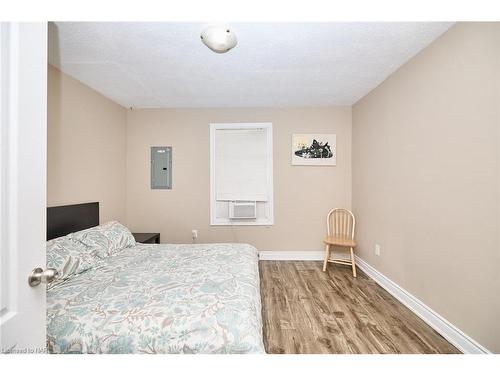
314,149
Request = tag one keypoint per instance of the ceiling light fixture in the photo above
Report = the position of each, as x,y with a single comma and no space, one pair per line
219,39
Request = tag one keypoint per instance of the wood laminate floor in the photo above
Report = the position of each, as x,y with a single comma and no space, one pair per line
306,310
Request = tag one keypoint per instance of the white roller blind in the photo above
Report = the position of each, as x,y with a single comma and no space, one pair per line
241,164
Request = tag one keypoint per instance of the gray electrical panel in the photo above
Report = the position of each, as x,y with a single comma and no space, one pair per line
161,167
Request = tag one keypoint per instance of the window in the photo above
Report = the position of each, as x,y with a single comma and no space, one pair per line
241,174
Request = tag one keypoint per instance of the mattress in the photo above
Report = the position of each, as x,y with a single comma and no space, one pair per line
160,299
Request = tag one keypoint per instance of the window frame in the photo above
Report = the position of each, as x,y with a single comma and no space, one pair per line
213,201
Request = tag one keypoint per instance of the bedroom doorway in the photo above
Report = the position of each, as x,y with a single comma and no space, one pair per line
23,146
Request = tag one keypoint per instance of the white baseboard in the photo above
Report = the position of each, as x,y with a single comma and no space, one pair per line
291,255
297,255
451,333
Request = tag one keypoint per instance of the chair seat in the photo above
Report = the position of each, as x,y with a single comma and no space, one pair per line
339,241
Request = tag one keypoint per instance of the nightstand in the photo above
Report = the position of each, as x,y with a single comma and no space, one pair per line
147,237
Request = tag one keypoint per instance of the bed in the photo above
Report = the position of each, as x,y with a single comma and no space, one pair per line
116,296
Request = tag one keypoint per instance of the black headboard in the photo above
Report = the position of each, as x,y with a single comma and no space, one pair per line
62,220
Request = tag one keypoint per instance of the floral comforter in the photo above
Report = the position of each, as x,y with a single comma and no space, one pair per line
160,299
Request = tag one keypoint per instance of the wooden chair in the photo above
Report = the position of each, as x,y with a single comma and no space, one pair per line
340,224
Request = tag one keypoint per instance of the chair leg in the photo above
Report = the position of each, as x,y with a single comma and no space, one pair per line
327,255
353,263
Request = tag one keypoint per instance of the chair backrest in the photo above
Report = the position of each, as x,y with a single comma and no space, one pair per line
340,223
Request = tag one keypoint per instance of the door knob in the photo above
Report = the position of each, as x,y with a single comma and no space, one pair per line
38,275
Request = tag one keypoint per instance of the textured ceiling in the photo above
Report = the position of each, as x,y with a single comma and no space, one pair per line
165,65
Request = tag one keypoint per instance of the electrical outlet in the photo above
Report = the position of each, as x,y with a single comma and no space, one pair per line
377,249
194,234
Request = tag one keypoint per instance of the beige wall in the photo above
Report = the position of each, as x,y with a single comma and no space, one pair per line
86,147
302,195
426,178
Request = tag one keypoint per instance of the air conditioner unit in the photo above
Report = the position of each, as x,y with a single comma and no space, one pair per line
242,210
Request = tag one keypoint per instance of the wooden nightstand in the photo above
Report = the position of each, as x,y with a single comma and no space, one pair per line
147,237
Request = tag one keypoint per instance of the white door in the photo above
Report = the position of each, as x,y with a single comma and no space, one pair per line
23,114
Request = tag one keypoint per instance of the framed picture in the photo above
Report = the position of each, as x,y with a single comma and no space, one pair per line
314,149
